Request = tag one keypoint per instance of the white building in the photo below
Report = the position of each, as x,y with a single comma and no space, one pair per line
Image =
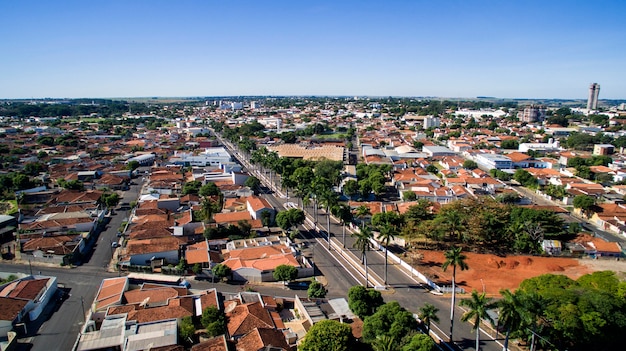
550,146
431,122
496,161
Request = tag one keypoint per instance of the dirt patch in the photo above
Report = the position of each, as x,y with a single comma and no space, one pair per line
493,273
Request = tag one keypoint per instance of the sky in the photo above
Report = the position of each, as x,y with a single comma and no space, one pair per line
444,48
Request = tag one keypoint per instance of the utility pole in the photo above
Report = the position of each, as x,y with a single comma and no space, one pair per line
82,304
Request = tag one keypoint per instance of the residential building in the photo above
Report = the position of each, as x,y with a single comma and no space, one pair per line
496,161
603,149
594,92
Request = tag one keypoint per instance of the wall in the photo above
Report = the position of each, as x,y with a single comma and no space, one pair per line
140,260
44,299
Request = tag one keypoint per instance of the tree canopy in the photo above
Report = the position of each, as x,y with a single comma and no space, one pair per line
363,302
328,335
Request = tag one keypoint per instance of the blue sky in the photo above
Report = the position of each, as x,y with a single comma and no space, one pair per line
456,48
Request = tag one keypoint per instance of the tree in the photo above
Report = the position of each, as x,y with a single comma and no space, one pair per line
455,258
290,218
363,302
221,271
387,233
428,314
110,199
389,320
453,220
132,165
363,243
285,273
478,306
469,164
209,189
186,329
523,177
509,144
214,321
344,213
253,183
328,335
420,342
191,187
432,169
585,203
70,185
316,290
350,188
409,195
328,199
509,317
362,212
207,209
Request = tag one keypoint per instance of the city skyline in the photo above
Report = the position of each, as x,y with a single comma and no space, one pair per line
74,49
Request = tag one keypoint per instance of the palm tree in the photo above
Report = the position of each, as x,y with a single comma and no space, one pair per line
455,258
345,215
387,233
509,314
428,313
207,209
363,243
362,212
384,343
453,220
478,306
328,199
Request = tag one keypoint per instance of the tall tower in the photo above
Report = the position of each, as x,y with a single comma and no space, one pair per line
592,101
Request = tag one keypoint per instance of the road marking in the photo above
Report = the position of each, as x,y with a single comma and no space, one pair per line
321,243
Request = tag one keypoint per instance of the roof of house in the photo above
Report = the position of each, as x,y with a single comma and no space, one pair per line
245,317
110,292
27,289
11,307
258,203
259,338
197,253
159,313
138,247
151,296
518,156
217,343
263,258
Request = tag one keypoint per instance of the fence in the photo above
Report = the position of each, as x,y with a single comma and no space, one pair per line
407,266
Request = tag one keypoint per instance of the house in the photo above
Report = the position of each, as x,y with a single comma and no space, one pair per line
257,263
37,290
242,319
143,252
218,343
12,312
257,206
603,149
261,339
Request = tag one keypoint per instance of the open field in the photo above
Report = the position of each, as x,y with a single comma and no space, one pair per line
492,273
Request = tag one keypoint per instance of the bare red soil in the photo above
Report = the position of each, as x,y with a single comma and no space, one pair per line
492,273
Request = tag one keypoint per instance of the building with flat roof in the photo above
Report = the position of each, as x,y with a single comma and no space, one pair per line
496,161
433,151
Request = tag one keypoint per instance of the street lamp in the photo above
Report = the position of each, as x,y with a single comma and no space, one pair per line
82,304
